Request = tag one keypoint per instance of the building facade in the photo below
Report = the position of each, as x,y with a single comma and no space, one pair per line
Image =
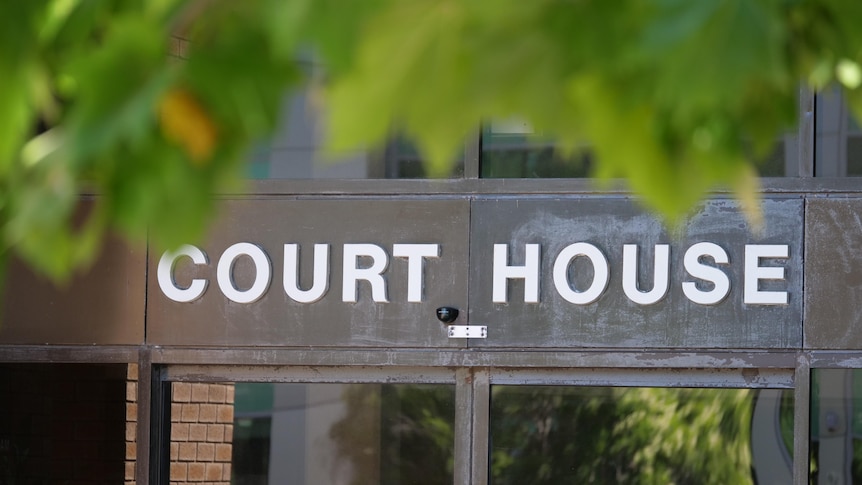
353,322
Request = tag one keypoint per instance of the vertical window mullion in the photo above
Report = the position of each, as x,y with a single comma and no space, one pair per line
806,127
472,150
481,429
464,399
802,415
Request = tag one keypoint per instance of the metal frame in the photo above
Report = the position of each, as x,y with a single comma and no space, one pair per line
473,391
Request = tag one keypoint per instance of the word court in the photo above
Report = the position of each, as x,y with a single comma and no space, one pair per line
706,264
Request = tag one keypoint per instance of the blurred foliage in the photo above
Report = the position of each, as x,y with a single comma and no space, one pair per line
663,92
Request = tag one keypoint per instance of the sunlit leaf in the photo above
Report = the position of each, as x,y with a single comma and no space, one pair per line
676,97
185,122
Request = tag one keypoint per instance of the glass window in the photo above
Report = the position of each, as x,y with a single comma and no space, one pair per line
838,138
510,149
555,434
295,152
307,434
836,426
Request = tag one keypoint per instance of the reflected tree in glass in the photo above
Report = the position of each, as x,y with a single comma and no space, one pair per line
549,435
415,426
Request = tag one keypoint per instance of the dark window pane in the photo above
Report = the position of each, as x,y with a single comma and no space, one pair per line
640,435
838,138
511,150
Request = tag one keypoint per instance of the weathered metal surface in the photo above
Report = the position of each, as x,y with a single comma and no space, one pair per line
833,274
573,360
103,306
71,354
614,320
301,373
480,428
277,320
595,376
801,415
742,378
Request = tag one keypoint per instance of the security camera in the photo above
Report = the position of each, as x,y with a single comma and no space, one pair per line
447,314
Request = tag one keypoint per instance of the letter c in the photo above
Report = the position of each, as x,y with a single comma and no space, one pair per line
165,274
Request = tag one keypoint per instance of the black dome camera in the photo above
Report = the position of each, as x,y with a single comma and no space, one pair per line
447,314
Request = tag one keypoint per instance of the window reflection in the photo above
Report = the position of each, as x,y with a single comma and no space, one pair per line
545,434
343,434
836,426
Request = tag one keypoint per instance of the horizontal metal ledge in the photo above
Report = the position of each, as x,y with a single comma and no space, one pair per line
617,377
836,359
538,186
107,354
507,358
247,373
556,358
475,358
769,185
655,377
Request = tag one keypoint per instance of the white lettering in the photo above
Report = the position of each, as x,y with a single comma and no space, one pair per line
694,267
320,276
503,272
661,274
753,295
165,274
373,274
262,277
601,273
415,254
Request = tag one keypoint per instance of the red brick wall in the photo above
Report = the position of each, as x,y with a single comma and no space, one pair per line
62,423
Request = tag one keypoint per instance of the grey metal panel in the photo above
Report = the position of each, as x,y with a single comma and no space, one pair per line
833,274
102,306
277,320
614,320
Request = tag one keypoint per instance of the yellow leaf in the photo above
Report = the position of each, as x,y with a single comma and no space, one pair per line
185,122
